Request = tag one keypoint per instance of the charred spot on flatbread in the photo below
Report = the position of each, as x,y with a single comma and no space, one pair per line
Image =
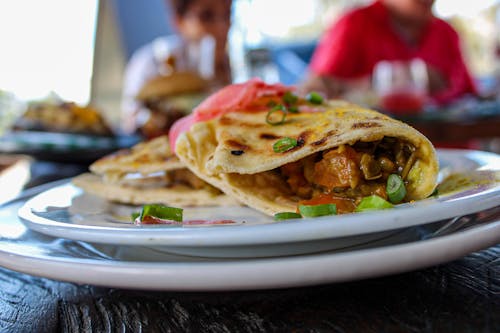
370,124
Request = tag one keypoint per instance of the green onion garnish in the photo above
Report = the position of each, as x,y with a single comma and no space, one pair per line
290,98
284,144
276,109
395,188
271,104
314,98
373,202
293,109
162,212
286,216
318,210
135,215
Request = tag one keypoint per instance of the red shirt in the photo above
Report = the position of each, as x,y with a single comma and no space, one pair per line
360,39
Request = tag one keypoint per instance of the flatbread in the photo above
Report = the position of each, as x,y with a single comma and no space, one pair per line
149,173
177,195
234,152
145,157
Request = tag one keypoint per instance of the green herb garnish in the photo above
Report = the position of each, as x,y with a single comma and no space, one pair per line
286,216
162,212
314,98
318,210
395,188
271,118
373,202
284,144
290,98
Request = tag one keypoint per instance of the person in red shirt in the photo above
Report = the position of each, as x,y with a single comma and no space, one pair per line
389,30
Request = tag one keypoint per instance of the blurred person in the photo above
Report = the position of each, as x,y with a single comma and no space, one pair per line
193,20
389,30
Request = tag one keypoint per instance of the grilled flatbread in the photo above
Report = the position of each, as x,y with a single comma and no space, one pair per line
149,173
342,153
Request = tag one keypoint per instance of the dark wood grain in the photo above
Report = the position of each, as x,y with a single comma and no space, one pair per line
462,296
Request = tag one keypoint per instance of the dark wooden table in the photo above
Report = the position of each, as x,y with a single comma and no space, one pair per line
474,125
460,296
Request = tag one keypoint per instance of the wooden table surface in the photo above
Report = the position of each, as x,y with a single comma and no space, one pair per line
460,296
459,127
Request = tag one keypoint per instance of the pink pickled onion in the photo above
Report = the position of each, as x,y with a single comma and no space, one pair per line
180,126
230,98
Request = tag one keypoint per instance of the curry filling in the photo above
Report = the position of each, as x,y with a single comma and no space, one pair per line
346,174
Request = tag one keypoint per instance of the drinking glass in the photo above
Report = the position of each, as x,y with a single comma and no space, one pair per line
197,56
401,85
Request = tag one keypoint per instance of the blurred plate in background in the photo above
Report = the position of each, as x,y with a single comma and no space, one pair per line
63,147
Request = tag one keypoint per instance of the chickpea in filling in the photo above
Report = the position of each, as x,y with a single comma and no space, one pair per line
346,174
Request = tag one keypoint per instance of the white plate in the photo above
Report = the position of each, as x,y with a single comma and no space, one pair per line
64,211
144,268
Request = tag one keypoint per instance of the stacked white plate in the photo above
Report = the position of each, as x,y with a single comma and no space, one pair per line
65,234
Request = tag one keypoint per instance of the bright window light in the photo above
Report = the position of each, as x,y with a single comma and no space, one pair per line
47,46
448,8
263,19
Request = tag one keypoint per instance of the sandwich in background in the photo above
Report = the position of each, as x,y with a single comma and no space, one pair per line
166,98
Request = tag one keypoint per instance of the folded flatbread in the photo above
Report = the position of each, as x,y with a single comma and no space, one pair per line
343,153
149,173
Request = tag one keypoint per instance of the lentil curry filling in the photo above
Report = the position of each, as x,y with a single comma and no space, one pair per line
349,173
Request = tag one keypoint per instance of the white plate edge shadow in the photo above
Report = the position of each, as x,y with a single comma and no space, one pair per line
295,231
251,274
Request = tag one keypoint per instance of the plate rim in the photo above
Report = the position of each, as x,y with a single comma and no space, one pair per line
281,272
271,233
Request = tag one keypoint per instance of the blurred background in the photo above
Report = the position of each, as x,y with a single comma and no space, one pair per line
77,51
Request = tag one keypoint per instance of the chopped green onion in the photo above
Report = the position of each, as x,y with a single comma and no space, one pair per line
286,216
135,215
162,212
271,104
373,202
314,98
290,98
284,144
395,188
318,210
293,109
270,118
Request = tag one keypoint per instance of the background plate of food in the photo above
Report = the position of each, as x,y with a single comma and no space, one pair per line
63,131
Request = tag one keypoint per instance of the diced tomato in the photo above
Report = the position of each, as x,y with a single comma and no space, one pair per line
344,205
338,168
208,222
155,220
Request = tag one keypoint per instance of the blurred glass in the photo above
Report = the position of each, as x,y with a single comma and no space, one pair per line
401,86
193,56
